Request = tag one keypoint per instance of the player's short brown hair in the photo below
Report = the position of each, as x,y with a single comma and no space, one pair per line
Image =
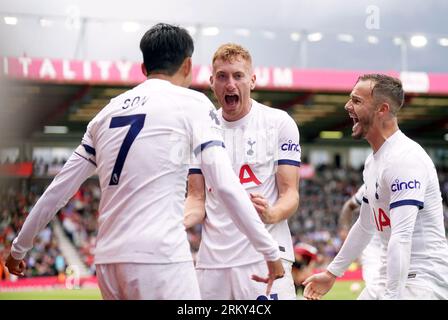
230,51
386,88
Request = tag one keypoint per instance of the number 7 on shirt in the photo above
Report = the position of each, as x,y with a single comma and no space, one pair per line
136,122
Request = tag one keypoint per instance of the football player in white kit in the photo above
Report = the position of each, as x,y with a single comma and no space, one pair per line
263,144
140,146
369,258
402,203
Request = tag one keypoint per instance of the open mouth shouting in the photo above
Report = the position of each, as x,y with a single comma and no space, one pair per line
357,128
231,100
355,122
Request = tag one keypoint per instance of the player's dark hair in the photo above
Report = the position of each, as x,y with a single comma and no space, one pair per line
386,88
165,47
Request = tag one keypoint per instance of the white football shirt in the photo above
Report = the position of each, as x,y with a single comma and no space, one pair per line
141,144
138,141
257,144
399,174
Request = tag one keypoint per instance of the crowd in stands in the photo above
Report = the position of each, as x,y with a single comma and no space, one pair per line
315,223
42,168
79,220
45,259
321,199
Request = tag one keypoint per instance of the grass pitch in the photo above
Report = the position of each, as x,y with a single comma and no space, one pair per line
345,290
53,294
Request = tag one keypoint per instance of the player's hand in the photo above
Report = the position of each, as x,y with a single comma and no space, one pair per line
14,266
276,271
317,285
263,208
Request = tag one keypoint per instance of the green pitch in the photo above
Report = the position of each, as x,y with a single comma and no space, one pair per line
60,294
343,290
340,291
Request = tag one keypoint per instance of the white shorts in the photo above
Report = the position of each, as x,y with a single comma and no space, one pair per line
236,283
411,292
141,281
371,263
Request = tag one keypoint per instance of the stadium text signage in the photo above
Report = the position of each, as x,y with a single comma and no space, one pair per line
123,72
129,73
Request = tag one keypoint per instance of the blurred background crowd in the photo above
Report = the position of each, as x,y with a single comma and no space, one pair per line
315,223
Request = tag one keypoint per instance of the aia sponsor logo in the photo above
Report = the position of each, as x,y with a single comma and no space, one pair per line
381,219
404,185
247,175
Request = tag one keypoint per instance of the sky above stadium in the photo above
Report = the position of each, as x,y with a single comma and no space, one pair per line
318,34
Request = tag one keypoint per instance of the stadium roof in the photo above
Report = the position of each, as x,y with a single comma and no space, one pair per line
57,93
319,34
321,39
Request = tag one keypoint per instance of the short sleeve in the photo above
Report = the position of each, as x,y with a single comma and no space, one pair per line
358,196
87,147
406,183
204,130
289,151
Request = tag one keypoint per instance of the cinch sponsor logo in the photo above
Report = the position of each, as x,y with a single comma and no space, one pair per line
398,186
290,146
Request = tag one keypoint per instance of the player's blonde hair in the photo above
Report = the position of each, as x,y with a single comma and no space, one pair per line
231,51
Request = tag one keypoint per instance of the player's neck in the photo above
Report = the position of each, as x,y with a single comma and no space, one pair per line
381,134
175,79
232,117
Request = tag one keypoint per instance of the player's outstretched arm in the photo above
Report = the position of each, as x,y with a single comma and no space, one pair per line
194,211
316,286
75,171
286,178
357,239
